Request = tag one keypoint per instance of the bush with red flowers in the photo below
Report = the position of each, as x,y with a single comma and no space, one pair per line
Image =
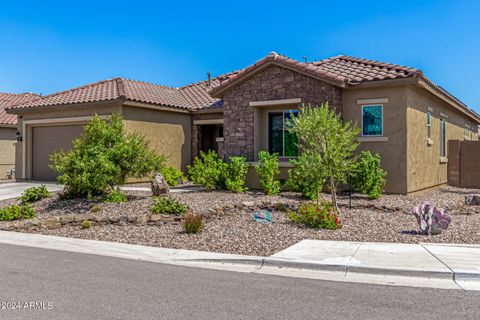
320,216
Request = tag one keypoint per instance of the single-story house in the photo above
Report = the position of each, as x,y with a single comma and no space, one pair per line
403,116
8,131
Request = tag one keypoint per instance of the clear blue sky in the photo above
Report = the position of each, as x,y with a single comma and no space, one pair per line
49,46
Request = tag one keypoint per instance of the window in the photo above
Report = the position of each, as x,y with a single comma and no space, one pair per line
280,140
372,120
429,125
443,140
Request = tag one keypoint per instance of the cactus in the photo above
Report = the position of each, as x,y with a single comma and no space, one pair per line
430,219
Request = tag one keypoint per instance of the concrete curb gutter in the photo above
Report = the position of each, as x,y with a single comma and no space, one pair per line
303,265
315,266
428,274
346,261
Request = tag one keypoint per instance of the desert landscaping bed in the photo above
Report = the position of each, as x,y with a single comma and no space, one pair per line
230,227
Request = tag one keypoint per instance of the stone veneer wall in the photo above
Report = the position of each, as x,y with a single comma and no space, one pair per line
272,84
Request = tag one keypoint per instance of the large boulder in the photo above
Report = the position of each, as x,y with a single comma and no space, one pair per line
159,185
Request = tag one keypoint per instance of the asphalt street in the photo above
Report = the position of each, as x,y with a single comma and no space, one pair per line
48,284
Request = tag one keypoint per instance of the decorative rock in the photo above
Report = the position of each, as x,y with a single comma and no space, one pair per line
81,217
69,218
159,185
51,224
32,224
113,220
142,219
248,204
155,218
472,200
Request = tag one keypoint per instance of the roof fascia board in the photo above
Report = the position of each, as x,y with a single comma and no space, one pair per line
206,110
423,84
114,102
381,83
155,107
9,126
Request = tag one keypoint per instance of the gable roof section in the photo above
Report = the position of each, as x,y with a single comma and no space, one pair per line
274,58
343,71
10,99
111,90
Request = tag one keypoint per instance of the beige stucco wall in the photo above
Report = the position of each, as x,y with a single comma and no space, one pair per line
169,133
393,151
425,170
50,118
252,181
7,150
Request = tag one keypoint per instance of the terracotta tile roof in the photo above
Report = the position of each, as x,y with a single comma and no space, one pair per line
355,70
113,89
11,99
197,94
342,71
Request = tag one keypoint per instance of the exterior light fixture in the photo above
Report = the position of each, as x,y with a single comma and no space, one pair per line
19,137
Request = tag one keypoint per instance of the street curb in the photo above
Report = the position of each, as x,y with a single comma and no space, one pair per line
241,261
303,265
310,265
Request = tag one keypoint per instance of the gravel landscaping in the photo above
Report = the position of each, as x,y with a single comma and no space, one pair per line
230,227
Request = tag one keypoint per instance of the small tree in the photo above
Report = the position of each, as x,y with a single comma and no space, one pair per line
103,158
327,144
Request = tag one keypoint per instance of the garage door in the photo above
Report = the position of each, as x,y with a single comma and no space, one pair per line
47,140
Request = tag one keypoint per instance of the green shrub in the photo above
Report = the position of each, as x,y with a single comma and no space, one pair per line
172,176
86,224
96,208
193,223
208,170
103,158
115,196
168,205
235,174
280,206
15,212
368,176
320,216
303,179
34,194
267,169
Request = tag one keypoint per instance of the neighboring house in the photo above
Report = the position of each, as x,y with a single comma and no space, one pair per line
404,117
8,131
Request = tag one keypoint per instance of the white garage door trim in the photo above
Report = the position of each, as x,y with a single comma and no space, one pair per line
32,123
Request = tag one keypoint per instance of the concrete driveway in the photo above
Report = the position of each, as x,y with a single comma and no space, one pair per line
15,189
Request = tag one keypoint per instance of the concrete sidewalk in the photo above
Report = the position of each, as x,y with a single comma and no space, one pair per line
419,265
424,262
14,190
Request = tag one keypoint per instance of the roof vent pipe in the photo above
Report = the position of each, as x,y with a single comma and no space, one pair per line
209,78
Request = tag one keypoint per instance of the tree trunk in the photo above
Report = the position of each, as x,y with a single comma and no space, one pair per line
334,194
